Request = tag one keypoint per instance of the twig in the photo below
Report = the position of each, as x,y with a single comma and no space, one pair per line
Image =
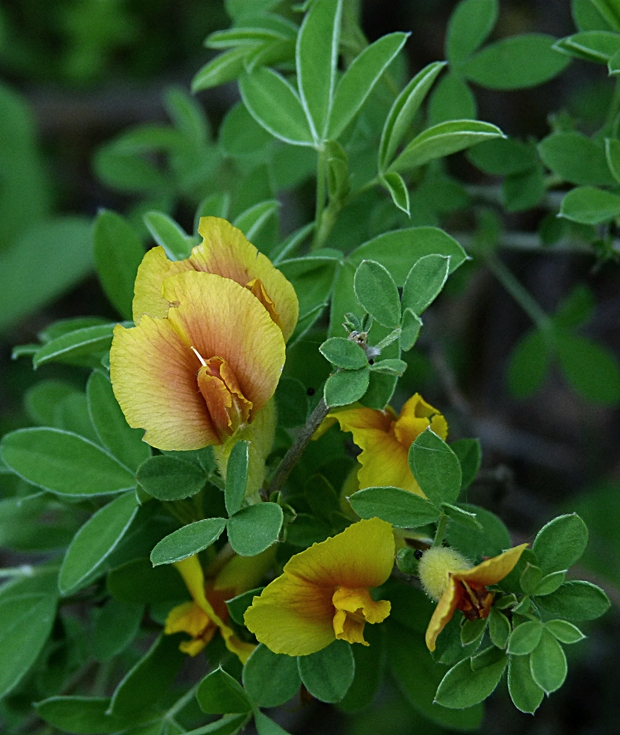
297,447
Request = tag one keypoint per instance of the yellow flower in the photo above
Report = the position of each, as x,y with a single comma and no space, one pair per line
451,580
208,613
226,252
323,593
208,347
385,438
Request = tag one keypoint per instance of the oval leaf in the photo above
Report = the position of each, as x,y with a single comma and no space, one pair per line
399,507
253,529
187,541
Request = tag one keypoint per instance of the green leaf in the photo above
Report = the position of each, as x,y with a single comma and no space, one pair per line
68,347
610,11
95,541
530,578
368,671
137,581
328,674
491,541
468,27
82,715
116,625
236,477
187,541
576,309
548,663
444,139
25,624
590,206
240,134
170,478
461,687
560,543
239,604
529,364
524,638
167,233
612,154
254,529
499,628
64,463
109,422
417,676
516,62
399,250
462,517
360,79
503,156
410,329
266,726
525,693
118,252
397,188
275,105
469,453
220,694
472,631
227,725
317,61
591,369
344,353
224,68
403,111
425,281
436,468
524,190
399,507
389,366
377,293
452,99
254,219
312,278
270,679
346,386
576,601
292,402
596,46
149,679
575,158
45,260
549,583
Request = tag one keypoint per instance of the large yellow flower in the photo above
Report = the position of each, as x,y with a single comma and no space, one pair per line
208,613
323,592
385,438
208,347
451,580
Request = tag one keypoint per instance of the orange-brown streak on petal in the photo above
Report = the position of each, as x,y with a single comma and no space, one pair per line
292,616
154,379
219,318
227,406
256,288
493,570
442,614
227,252
152,272
361,556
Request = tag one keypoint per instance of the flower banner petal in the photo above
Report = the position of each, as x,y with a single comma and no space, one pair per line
153,270
225,250
491,571
154,380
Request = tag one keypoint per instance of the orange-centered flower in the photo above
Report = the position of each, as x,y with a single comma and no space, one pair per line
323,593
208,613
208,347
457,585
385,438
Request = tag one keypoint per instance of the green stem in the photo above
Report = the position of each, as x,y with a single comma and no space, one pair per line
297,447
442,526
320,198
182,702
520,294
26,570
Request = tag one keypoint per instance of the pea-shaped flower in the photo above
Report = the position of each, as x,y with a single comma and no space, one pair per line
208,347
456,584
323,592
385,438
